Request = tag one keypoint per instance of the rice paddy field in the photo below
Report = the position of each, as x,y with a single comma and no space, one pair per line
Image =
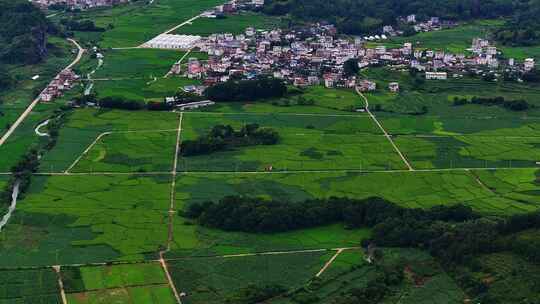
84,126
129,283
313,142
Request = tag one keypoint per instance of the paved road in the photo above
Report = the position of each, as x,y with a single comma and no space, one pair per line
28,110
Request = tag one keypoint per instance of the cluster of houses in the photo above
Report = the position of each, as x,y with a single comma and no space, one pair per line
78,4
233,6
432,24
64,81
314,55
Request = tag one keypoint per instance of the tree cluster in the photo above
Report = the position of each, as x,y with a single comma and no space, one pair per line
454,234
246,90
80,25
235,213
512,105
224,137
121,103
523,28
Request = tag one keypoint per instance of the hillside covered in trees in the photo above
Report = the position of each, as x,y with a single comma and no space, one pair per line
23,32
364,16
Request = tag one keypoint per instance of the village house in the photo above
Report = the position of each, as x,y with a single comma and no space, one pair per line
393,87
367,86
437,75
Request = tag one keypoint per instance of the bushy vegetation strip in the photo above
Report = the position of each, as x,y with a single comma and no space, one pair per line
513,105
224,137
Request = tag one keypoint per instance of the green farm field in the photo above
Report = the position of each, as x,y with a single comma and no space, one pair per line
85,125
235,24
214,280
138,63
82,219
146,89
29,286
129,283
140,22
410,189
471,151
130,152
438,96
308,142
325,101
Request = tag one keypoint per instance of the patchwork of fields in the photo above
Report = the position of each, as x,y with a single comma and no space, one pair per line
103,221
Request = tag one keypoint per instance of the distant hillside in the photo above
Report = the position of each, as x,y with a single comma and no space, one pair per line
364,16
23,32
523,28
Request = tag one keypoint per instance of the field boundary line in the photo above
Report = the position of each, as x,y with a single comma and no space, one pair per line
388,136
86,151
107,133
155,173
32,105
279,114
169,278
329,262
56,269
174,173
172,211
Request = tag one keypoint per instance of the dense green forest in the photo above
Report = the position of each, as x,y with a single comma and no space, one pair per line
23,37
364,16
23,32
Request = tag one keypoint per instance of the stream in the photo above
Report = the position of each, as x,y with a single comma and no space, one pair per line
14,196
43,124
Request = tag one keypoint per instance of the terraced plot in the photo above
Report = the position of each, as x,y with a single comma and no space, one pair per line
78,219
135,283
307,143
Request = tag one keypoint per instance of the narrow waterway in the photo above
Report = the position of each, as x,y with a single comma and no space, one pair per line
12,207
